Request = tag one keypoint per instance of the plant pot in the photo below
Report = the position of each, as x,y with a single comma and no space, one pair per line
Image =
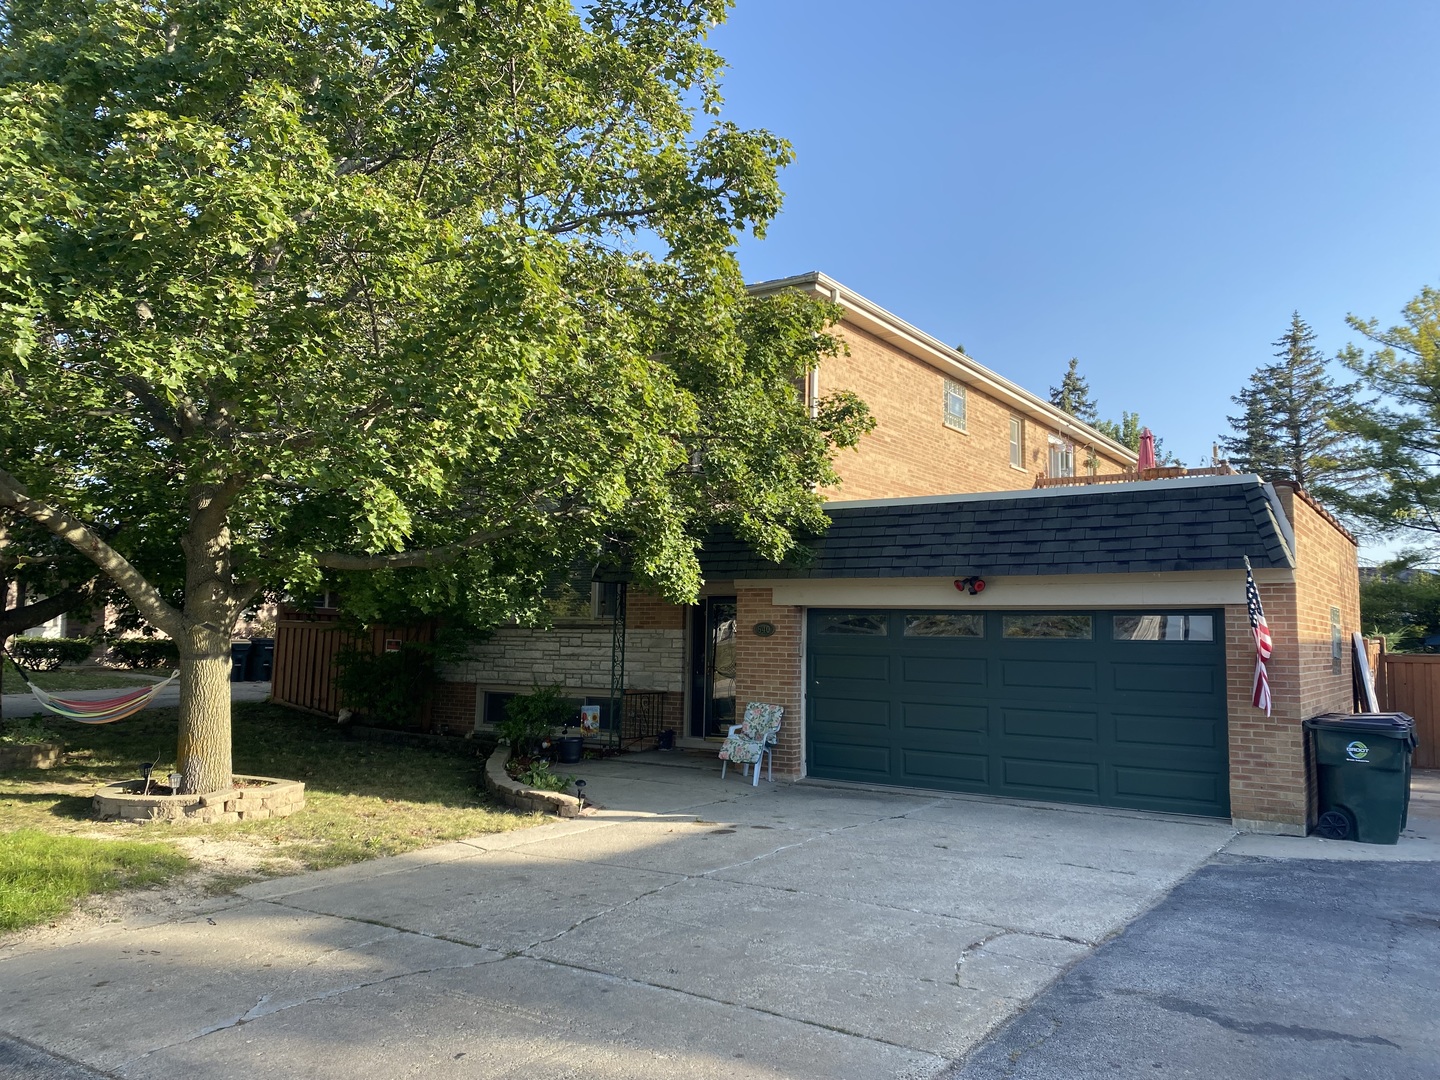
572,749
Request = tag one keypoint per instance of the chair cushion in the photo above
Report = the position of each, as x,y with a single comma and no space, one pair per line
761,721
739,748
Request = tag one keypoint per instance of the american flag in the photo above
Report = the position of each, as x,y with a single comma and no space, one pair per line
1260,697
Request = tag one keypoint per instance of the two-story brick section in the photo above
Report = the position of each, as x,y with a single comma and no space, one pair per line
1107,659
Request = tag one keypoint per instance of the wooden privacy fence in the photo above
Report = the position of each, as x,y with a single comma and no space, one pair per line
306,645
1410,683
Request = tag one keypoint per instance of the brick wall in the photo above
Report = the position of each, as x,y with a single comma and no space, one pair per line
768,668
911,451
1269,766
452,708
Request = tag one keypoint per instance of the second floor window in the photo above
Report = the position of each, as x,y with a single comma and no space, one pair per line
1017,443
954,405
1062,457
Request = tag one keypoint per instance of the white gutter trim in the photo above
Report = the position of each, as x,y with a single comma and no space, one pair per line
942,356
1171,484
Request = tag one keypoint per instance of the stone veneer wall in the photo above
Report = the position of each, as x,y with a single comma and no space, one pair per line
574,656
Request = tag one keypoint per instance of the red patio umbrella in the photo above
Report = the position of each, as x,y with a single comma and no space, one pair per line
1147,450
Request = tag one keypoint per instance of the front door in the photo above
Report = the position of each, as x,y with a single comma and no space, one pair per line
712,667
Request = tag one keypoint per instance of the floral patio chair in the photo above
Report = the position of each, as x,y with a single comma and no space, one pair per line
751,740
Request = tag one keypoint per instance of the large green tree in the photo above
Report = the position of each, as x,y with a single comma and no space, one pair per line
1289,423
1400,425
426,290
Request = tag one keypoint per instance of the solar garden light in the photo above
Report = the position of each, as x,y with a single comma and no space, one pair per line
580,792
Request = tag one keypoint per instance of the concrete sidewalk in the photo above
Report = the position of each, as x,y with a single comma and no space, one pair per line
16,705
693,927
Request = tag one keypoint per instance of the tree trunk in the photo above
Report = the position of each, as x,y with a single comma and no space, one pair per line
204,751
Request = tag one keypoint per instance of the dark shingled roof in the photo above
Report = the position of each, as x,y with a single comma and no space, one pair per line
1198,523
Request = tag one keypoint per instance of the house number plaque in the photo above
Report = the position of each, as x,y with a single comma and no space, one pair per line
764,629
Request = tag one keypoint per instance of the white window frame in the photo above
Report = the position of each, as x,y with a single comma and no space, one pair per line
1017,443
954,392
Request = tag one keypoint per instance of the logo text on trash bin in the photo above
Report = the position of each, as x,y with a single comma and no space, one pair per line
1357,751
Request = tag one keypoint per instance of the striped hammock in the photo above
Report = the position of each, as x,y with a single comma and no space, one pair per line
96,712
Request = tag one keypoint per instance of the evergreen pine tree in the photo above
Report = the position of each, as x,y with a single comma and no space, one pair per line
1285,430
1073,395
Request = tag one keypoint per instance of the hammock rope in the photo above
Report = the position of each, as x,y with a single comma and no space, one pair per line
93,712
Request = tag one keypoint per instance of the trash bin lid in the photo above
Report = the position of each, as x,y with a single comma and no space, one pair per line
1397,725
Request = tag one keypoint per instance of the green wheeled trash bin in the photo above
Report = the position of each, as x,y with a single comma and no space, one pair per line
1362,764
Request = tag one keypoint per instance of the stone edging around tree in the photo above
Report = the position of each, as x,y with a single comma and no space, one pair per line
29,756
262,797
520,797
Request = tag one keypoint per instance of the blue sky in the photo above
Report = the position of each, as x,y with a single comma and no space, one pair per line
1150,187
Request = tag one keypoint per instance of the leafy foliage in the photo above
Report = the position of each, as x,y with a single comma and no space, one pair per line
445,294
143,652
535,773
388,689
47,654
529,718
1401,601
1400,428
1288,426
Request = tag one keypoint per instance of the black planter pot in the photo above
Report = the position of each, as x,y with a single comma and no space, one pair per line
572,749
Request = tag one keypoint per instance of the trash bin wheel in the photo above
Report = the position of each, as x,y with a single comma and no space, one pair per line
1335,825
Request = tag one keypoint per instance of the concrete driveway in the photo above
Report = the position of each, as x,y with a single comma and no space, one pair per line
693,927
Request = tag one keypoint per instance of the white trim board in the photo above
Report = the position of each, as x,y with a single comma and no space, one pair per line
1208,588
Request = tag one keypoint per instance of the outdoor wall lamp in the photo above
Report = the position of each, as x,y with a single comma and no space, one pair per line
973,584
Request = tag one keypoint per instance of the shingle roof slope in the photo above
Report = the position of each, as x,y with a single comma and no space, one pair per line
1156,526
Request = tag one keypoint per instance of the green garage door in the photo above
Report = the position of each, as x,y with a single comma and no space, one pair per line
1114,708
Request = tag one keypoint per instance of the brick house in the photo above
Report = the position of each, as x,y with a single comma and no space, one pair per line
1108,659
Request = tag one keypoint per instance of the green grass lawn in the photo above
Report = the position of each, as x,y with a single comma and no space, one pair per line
362,799
42,875
71,680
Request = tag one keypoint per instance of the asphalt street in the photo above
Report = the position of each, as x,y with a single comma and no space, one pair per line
1253,969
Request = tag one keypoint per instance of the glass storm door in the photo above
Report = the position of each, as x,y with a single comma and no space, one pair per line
712,667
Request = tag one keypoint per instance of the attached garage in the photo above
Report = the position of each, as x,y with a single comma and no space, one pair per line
1113,708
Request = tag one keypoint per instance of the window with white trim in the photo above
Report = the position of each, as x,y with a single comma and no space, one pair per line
1062,457
954,405
1017,443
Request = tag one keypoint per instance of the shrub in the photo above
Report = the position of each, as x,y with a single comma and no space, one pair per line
138,652
388,689
26,731
529,718
47,654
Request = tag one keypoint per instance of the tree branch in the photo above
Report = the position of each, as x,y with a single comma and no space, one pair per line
77,534
22,618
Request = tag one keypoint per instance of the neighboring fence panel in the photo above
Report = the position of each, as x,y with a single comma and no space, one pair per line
306,644
1412,685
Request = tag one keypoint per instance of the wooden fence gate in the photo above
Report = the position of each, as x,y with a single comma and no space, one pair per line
1410,683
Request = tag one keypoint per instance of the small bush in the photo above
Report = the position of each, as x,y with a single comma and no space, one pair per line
136,652
26,731
529,718
535,773
47,654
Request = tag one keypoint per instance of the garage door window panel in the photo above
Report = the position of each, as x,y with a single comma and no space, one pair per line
864,624
940,624
1168,628
1048,627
